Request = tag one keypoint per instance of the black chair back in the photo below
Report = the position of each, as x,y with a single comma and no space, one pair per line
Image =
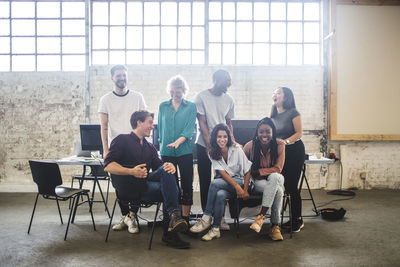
97,170
128,187
244,130
46,175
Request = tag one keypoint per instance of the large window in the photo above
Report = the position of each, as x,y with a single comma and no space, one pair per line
50,35
137,32
42,36
264,33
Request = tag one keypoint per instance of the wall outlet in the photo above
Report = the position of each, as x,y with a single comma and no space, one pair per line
363,175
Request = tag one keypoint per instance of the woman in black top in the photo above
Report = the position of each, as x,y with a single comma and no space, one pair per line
288,127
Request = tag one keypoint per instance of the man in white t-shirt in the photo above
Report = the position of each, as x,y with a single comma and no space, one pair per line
116,107
214,106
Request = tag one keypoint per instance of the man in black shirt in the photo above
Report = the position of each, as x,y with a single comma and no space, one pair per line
133,150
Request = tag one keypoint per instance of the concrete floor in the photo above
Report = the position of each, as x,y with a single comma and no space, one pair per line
368,236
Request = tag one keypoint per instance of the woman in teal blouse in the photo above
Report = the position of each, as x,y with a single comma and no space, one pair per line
176,122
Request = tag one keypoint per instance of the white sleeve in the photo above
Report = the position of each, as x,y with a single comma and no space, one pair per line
231,112
199,105
244,161
102,106
142,103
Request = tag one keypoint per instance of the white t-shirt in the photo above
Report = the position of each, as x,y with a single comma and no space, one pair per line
217,109
119,110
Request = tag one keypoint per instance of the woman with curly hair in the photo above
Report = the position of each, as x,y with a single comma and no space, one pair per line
231,179
268,155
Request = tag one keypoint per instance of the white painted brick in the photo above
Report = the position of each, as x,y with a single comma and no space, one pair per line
40,113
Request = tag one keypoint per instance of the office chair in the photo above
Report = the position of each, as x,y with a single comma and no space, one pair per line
47,176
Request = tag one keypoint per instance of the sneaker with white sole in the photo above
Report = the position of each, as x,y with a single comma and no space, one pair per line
224,226
120,226
132,224
200,226
212,234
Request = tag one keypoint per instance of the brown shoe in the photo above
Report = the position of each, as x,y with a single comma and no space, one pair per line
275,233
258,223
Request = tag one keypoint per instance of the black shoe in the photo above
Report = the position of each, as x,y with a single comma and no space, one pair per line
177,223
286,225
173,240
297,225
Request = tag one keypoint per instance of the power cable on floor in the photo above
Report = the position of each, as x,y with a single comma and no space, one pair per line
339,192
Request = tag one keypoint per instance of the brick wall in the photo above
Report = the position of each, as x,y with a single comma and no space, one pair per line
40,114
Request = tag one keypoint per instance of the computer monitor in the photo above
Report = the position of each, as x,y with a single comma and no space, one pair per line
91,137
244,130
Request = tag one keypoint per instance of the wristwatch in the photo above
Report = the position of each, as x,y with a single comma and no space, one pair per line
287,141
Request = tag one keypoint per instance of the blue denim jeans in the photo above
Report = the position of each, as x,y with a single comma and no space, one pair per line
218,192
161,186
272,191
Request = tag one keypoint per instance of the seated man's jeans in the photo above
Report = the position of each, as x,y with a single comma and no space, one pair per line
219,191
161,186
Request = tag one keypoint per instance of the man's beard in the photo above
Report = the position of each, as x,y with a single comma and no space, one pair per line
121,85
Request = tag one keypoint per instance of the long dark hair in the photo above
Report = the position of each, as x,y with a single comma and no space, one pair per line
255,154
288,103
215,150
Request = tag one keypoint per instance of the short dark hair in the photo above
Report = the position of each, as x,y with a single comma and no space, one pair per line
218,74
215,150
117,67
140,115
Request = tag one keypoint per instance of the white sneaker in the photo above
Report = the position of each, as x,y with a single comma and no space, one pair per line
200,226
224,226
213,233
120,226
132,224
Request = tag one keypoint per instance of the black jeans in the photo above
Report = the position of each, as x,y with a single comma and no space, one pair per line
294,161
204,170
185,165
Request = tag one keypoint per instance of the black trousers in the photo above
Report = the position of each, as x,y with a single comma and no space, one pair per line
185,165
294,161
204,170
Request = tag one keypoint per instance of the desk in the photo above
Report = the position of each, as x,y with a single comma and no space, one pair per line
312,160
86,161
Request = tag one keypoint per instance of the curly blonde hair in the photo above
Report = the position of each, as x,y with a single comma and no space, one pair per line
177,82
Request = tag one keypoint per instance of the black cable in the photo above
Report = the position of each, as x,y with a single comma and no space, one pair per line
341,192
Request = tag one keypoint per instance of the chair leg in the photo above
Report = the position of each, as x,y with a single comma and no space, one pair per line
72,185
33,212
102,197
74,200
59,211
237,219
76,207
290,216
154,224
283,208
91,212
80,186
108,190
112,216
